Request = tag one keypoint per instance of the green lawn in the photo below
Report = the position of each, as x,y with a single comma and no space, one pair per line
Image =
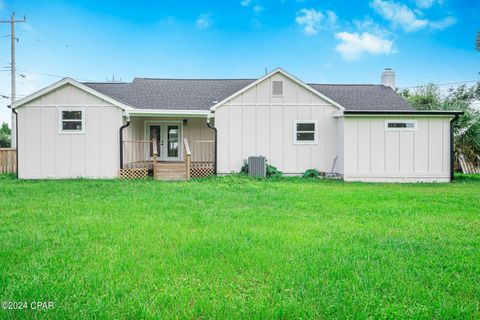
234,247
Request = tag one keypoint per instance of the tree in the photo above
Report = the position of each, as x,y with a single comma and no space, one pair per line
467,128
477,43
5,134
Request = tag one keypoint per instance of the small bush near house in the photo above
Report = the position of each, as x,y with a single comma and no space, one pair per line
311,173
244,168
273,172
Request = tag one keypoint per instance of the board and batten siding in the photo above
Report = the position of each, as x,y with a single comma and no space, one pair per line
46,153
373,153
257,123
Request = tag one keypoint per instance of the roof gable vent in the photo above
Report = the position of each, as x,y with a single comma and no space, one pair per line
277,88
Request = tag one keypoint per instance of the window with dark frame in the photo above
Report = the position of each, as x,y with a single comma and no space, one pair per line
408,125
71,121
305,132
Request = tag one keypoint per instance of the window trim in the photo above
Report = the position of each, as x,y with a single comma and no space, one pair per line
315,132
60,120
387,128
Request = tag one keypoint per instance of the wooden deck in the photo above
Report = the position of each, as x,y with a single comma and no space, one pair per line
195,165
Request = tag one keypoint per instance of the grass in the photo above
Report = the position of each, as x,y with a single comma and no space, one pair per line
234,247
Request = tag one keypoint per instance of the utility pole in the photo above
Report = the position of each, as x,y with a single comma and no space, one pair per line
13,95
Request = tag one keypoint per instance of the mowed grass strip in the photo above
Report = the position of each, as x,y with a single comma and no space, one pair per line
234,247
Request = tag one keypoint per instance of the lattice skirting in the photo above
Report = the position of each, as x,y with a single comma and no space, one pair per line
133,173
201,170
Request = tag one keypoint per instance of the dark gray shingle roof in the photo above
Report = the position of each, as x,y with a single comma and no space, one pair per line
171,94
201,94
363,96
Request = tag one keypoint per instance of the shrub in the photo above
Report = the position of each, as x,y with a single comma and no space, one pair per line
244,168
311,173
273,172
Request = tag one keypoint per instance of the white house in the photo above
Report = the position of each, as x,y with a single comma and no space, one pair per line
189,127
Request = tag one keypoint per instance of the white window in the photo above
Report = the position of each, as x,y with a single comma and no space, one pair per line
400,125
277,88
71,120
305,132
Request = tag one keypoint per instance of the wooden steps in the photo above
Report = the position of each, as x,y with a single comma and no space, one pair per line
170,171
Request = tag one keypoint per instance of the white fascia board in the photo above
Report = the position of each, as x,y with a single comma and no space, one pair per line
403,116
169,113
74,83
288,76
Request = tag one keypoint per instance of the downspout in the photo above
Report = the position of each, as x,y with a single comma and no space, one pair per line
121,139
452,167
16,139
214,143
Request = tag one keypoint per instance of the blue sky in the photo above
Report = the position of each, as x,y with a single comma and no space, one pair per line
323,41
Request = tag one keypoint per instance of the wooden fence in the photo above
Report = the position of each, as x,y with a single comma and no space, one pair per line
8,160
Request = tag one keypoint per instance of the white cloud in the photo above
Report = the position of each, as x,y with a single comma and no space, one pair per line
425,4
331,17
204,21
443,24
400,15
367,24
258,8
354,45
313,21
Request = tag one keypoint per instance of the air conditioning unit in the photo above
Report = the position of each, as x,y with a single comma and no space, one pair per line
257,166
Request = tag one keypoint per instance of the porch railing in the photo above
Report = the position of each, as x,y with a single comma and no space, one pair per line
198,156
188,155
135,153
202,151
202,159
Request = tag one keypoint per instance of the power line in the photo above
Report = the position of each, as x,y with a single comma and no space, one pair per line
24,78
55,75
441,84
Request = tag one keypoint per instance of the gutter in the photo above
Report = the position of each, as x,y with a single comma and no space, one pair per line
215,143
403,112
16,139
121,139
452,167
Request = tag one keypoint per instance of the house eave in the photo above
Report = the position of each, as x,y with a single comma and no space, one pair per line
168,113
443,113
74,83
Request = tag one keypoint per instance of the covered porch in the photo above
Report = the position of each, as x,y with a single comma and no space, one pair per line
167,147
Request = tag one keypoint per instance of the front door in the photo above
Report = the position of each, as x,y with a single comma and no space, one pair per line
168,139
